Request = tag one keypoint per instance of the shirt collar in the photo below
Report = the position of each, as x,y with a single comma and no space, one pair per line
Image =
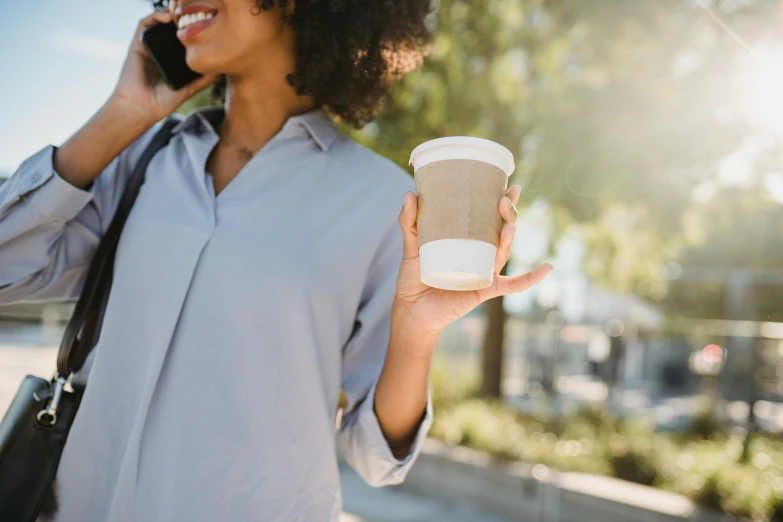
317,124
197,117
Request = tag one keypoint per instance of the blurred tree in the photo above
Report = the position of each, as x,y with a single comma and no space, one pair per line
736,231
664,124
493,349
489,62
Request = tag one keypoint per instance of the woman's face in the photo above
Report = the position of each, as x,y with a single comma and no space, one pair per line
229,36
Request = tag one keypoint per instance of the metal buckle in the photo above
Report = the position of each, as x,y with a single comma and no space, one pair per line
50,413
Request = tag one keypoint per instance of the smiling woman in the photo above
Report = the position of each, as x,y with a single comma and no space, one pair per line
348,52
266,265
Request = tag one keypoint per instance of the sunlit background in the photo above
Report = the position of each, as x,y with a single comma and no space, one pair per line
648,139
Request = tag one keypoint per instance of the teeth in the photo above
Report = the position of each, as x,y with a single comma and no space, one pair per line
191,18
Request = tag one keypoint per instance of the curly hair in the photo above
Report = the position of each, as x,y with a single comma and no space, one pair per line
349,53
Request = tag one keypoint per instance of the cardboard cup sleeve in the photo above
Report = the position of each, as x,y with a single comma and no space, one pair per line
458,199
459,184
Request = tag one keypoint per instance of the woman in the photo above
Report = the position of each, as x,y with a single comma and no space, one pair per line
265,265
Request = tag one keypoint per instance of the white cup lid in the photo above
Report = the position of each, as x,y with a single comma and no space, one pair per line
463,147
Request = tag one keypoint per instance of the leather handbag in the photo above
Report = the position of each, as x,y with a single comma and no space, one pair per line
35,427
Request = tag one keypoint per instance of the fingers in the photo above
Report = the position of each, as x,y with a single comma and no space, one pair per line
523,282
513,193
509,285
504,246
507,210
407,219
158,17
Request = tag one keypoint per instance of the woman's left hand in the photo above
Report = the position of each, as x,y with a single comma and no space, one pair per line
428,310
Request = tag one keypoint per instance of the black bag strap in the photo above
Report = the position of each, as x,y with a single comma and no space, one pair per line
83,328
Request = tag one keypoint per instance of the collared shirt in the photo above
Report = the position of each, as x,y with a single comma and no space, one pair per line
232,323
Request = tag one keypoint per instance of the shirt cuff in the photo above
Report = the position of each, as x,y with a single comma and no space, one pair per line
37,183
380,465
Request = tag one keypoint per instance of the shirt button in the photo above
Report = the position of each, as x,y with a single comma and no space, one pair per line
36,177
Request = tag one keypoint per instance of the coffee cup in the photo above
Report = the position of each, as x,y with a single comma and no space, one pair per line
459,183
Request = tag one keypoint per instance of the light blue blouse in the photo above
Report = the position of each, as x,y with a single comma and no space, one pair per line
232,324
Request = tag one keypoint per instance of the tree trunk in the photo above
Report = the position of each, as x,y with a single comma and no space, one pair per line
492,351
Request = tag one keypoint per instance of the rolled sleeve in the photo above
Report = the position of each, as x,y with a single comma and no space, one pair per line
369,450
55,198
37,183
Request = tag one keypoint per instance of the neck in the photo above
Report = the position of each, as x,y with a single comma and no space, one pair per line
259,102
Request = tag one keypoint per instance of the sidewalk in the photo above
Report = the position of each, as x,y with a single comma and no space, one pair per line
362,503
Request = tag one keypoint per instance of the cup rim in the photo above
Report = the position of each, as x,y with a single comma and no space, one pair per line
468,141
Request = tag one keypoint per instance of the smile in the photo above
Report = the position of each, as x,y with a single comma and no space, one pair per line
191,23
190,19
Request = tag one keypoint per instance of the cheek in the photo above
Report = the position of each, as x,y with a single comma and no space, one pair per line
220,48
237,38
252,27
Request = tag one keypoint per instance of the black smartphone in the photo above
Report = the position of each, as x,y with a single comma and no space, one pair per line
168,54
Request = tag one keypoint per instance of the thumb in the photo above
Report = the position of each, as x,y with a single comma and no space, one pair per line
410,236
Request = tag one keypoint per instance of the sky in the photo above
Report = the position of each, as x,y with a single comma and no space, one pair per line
59,62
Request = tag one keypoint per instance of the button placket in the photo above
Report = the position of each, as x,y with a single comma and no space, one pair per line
198,148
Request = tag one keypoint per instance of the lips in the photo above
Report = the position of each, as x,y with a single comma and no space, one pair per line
192,19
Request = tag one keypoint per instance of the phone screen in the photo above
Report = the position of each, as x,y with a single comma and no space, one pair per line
168,54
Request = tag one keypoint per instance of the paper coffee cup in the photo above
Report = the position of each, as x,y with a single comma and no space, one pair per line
459,183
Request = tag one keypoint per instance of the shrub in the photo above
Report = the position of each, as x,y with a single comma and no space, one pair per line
703,424
631,460
709,469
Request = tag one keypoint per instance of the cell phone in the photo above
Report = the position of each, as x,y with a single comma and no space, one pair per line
168,55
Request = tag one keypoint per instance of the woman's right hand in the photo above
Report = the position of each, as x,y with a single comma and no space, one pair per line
140,99
141,90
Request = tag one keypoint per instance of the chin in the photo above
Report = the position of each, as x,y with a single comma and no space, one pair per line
204,61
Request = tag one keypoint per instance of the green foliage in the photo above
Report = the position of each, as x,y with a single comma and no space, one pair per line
203,98
703,424
633,453
489,427
709,470
735,228
479,79
451,386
